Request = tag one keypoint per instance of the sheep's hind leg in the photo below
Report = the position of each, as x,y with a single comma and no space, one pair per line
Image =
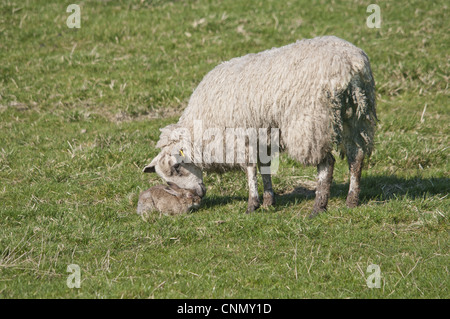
253,199
325,177
355,165
268,196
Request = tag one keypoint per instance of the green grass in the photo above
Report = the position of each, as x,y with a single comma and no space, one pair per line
80,111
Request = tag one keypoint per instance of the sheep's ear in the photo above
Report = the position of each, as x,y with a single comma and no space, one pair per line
150,168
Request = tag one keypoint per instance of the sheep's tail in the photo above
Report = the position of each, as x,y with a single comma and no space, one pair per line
358,114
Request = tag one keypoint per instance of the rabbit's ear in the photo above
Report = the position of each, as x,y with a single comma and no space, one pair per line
174,186
171,191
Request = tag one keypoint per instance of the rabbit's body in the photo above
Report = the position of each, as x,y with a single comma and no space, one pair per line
169,200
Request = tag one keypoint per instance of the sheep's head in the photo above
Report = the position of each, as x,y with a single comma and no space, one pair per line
171,166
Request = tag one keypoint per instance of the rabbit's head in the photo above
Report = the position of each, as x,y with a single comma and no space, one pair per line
191,199
188,197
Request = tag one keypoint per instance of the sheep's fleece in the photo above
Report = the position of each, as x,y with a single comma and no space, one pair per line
319,92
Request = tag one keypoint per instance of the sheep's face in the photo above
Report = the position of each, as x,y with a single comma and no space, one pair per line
171,169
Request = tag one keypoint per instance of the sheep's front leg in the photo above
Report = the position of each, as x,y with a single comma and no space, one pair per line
253,199
325,177
355,165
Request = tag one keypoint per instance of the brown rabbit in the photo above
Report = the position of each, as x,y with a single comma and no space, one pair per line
169,200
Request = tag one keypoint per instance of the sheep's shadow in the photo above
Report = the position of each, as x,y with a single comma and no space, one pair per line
379,188
212,201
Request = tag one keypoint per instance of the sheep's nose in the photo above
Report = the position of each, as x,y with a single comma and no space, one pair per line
201,190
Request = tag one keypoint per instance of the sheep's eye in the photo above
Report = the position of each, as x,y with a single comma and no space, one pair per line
176,167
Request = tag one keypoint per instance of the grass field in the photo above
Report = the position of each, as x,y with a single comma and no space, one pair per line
80,112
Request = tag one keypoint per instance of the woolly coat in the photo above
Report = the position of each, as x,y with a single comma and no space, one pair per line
319,92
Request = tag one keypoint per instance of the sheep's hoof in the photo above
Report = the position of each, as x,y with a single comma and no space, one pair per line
251,209
253,204
268,199
316,211
352,200
351,204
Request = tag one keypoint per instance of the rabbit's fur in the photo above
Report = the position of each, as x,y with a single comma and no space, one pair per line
169,200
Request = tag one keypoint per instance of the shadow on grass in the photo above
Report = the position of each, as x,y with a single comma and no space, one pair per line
381,188
212,201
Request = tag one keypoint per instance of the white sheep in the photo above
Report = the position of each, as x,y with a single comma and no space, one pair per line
319,93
